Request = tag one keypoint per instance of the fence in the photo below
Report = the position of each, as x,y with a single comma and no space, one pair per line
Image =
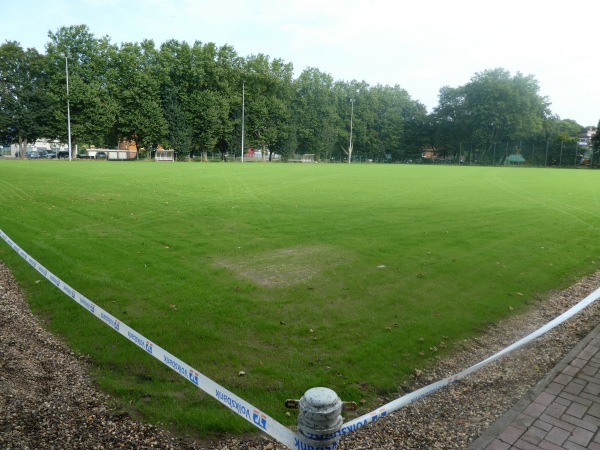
514,153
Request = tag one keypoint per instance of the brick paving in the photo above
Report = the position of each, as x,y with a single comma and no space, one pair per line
561,412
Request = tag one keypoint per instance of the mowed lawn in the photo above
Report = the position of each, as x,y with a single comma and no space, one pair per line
298,275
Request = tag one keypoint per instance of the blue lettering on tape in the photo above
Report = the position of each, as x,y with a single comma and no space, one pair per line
110,321
233,404
176,366
146,345
69,291
41,269
31,261
87,304
23,254
55,280
353,427
260,419
299,445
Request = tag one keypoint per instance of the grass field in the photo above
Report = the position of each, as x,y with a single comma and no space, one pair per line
304,275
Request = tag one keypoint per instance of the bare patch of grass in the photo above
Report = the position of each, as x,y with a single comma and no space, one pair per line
283,267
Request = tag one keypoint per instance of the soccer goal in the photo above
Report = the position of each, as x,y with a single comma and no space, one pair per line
308,158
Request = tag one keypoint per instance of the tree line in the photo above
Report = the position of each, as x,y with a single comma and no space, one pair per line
196,99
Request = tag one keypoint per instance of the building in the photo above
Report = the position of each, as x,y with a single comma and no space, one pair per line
585,137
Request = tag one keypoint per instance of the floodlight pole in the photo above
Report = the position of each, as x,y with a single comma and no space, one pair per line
243,114
68,107
351,117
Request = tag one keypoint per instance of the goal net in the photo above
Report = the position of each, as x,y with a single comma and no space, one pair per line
308,158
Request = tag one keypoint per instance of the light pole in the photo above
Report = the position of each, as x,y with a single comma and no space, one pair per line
68,107
351,117
243,114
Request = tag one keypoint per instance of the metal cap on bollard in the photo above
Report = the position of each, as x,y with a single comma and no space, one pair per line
320,417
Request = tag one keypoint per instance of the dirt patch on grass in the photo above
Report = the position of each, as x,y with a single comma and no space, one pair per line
283,267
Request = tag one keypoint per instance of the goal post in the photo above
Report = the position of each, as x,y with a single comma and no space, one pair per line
308,158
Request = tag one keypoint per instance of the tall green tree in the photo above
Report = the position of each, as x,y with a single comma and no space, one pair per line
198,90
229,70
135,87
494,106
268,97
315,118
90,62
560,137
179,130
596,147
212,102
177,81
353,112
396,128
25,102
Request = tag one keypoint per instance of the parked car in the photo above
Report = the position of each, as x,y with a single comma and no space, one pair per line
100,155
50,154
33,155
62,154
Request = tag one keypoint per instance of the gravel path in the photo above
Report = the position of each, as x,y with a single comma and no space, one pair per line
47,400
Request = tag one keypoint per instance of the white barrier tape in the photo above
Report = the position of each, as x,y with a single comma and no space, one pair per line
226,397
425,391
253,414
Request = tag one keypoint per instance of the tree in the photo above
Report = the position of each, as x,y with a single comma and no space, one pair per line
268,88
136,90
352,110
493,107
176,85
596,147
560,138
91,62
25,103
212,102
210,113
416,131
397,125
314,114
198,91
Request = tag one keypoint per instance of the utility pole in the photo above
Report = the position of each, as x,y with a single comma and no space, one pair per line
243,114
68,107
351,117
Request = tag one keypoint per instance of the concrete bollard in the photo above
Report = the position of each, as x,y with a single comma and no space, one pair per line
320,418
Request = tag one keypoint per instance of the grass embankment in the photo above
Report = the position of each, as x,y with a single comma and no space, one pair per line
301,275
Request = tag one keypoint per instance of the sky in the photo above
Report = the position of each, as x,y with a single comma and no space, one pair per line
419,45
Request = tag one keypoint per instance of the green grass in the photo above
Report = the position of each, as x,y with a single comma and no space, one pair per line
299,275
